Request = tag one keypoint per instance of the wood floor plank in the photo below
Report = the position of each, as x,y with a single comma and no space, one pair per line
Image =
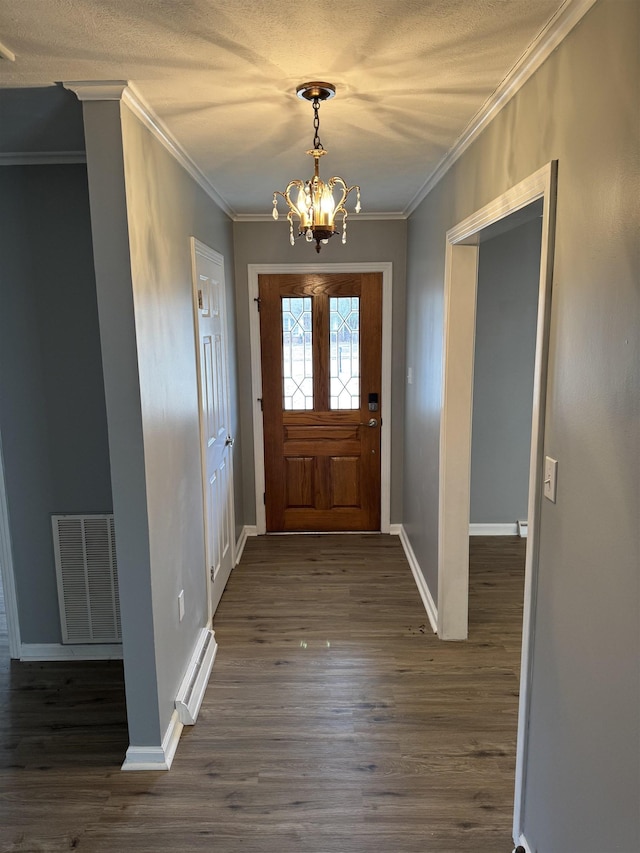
334,721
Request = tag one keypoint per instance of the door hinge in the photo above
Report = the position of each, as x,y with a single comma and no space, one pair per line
261,403
264,497
213,573
257,300
200,302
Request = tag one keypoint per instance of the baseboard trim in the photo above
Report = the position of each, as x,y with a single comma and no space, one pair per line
76,651
242,541
156,757
423,589
196,678
522,842
395,529
252,529
509,529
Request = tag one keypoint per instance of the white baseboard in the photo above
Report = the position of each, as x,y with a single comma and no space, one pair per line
509,529
522,841
423,589
196,678
76,651
251,529
242,541
156,757
395,529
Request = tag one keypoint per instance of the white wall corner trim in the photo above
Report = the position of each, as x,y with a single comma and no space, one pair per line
395,529
505,529
71,651
156,757
568,15
191,691
115,90
423,588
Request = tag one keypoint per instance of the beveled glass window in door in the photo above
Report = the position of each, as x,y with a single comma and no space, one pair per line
297,357
344,352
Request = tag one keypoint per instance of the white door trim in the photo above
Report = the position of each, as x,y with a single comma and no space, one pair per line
197,247
7,571
253,271
455,430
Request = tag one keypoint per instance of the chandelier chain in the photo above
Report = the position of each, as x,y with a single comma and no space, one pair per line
316,124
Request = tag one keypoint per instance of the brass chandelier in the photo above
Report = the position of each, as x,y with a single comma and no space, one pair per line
315,207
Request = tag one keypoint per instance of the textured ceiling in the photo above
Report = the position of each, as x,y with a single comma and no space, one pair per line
221,74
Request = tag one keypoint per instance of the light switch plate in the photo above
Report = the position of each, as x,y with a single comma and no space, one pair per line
550,478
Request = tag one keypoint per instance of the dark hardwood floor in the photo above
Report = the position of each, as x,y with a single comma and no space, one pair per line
334,721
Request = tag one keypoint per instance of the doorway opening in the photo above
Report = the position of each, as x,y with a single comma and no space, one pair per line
321,338
461,275
255,271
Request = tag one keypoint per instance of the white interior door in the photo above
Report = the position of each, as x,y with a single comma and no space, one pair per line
215,430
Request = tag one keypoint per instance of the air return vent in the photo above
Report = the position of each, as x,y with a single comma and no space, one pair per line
86,569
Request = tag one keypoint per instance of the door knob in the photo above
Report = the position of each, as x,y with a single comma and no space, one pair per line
372,422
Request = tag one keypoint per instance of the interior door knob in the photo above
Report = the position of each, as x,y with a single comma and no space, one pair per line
373,422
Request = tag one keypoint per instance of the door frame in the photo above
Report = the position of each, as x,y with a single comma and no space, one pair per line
461,273
255,270
7,570
199,247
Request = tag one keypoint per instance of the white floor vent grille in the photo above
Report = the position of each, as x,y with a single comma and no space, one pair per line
87,574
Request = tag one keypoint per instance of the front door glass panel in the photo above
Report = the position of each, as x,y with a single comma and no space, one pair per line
344,352
297,354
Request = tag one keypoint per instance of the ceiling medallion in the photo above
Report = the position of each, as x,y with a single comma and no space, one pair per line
315,207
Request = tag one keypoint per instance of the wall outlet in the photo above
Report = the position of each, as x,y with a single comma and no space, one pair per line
550,478
181,605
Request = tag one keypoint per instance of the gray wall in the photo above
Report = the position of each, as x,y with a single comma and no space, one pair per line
506,312
581,107
52,416
145,207
368,241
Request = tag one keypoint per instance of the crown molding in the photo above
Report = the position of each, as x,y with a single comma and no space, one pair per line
122,90
7,54
97,90
378,215
559,26
40,158
152,122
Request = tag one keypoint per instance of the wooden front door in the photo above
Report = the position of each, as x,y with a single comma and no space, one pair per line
321,343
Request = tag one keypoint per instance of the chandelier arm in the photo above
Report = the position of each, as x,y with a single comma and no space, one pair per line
295,184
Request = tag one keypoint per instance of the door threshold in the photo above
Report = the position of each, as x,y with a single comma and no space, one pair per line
322,532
